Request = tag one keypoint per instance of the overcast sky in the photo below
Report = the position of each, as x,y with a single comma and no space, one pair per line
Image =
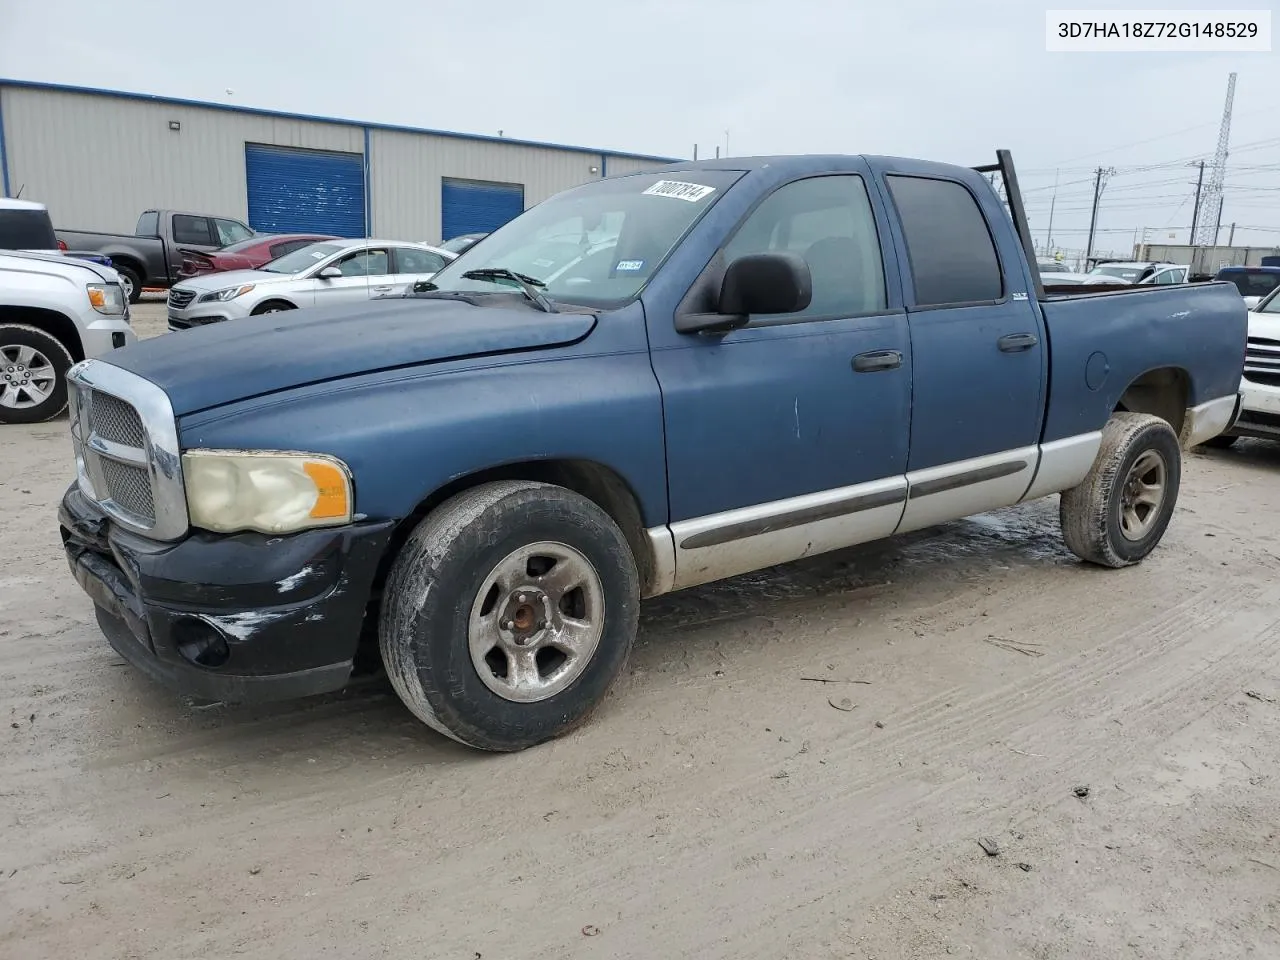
935,79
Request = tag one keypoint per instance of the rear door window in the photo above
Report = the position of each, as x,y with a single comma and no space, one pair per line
148,224
953,258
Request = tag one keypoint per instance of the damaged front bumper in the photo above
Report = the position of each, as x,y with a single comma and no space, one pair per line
239,618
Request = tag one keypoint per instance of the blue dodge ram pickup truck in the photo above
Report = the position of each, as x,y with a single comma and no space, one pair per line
639,385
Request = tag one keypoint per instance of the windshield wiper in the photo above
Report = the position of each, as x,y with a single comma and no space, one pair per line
529,285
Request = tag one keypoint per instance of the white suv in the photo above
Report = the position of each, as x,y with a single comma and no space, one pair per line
54,311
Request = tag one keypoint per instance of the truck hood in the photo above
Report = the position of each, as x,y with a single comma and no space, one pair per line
1266,325
239,359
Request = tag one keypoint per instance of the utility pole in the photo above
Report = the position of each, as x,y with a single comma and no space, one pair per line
1195,214
695,151
1217,227
1099,182
1048,243
1231,237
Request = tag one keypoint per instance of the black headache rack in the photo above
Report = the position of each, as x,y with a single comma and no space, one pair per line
1013,196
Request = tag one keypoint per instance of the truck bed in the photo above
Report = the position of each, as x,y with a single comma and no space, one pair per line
1149,329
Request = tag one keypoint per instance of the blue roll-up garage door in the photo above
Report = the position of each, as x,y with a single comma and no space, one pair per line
477,206
304,191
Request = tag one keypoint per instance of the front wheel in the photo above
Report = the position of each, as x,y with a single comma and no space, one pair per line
130,282
33,374
1119,513
271,306
509,613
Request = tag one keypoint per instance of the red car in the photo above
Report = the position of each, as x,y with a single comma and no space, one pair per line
247,254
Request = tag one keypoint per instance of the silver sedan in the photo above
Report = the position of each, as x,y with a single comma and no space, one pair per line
328,272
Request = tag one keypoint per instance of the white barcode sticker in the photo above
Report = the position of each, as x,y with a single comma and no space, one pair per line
679,190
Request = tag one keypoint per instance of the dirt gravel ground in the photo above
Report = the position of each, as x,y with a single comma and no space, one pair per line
720,804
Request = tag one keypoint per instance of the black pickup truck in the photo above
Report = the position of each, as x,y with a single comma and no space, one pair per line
150,256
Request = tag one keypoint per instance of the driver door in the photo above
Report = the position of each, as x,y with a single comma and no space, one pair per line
366,273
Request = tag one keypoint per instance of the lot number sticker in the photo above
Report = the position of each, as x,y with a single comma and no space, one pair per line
693,192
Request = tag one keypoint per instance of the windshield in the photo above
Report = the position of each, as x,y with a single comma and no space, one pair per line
242,245
597,244
302,259
1124,273
26,230
458,244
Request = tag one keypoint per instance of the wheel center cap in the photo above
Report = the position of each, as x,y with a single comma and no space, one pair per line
525,615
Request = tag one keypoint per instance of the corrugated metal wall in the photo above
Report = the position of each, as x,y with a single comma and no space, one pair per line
621,166
408,169
98,162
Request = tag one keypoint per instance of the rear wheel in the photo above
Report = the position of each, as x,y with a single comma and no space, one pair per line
33,374
509,613
1119,513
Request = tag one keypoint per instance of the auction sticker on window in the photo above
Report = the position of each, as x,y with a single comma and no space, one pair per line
678,189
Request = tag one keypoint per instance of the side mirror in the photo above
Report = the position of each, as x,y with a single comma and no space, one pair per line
330,273
766,283
755,283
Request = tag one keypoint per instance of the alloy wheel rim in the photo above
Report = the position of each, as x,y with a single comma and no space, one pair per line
1142,495
536,622
27,378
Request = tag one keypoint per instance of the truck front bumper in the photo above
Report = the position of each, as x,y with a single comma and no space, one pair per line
238,618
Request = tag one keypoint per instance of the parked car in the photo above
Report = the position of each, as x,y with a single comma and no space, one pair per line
248,254
1260,384
1131,271
460,243
319,274
780,361
1254,283
152,255
1170,273
54,311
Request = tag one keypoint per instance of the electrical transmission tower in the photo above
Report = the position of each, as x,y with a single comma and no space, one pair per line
1211,205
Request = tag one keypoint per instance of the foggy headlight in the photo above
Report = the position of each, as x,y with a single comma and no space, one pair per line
222,296
229,491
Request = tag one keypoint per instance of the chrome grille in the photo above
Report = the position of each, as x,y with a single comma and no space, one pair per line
128,457
114,420
129,487
179,298
1262,361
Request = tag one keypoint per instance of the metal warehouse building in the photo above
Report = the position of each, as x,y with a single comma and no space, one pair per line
98,158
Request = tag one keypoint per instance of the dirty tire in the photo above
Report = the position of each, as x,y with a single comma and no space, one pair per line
1221,441
435,581
1091,512
131,280
57,355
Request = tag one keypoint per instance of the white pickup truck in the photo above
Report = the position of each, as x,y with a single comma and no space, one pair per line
54,311
1260,383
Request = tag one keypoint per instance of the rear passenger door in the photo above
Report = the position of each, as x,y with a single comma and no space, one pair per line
977,351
